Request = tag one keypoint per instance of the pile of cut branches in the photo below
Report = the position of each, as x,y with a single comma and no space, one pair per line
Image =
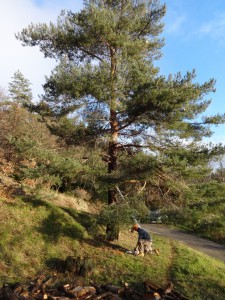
40,289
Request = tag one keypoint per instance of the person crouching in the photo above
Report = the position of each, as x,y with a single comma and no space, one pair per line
144,243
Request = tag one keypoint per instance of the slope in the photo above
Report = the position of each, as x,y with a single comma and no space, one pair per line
37,236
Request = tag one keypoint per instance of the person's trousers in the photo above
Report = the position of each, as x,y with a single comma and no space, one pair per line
143,246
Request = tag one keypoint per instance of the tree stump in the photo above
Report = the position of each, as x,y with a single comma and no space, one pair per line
78,265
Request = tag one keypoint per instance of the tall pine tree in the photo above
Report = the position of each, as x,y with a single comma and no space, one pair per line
107,76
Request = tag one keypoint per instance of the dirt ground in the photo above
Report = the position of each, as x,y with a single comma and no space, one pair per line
208,247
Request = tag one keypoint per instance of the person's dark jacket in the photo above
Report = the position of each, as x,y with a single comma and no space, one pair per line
143,234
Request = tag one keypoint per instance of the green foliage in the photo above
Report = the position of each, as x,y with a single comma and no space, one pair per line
36,154
19,89
50,168
118,214
121,214
204,214
137,166
61,169
72,132
18,126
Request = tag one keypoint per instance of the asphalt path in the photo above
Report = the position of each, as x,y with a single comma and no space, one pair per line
208,247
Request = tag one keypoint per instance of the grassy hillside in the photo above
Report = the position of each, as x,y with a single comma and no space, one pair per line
39,232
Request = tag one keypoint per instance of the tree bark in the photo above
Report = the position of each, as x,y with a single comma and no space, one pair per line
112,229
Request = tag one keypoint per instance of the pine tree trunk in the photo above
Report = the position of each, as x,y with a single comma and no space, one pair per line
112,229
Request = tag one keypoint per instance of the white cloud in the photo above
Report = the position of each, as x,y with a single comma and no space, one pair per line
175,17
206,28
175,23
215,28
14,16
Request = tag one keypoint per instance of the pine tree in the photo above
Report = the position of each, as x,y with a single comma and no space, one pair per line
107,76
19,89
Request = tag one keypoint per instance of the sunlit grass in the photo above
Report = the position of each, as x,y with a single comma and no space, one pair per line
37,236
198,275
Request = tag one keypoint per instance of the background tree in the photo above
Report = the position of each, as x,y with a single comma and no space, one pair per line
12,114
19,89
106,77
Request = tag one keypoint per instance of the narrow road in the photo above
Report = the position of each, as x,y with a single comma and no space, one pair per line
210,248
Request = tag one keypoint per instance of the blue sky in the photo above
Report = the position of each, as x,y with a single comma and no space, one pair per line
194,35
194,39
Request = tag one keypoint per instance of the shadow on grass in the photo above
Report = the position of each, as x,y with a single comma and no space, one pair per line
85,219
98,243
35,201
56,224
88,221
56,265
